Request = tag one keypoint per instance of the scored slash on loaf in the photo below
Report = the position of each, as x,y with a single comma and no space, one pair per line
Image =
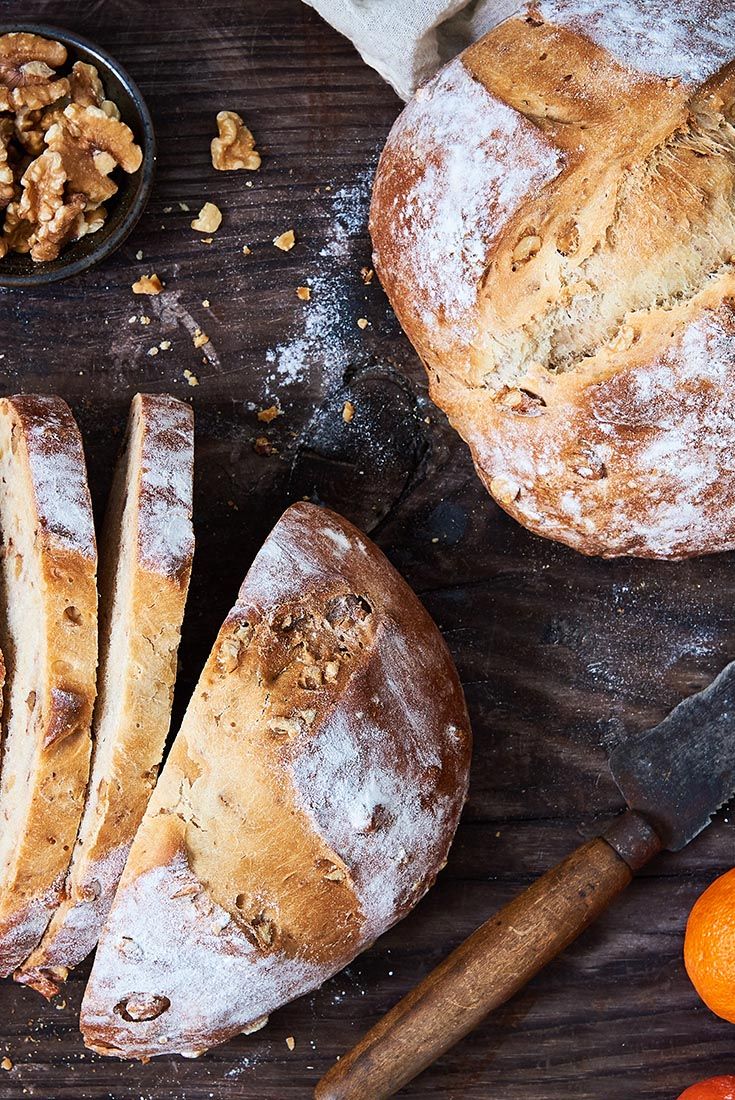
308,801
146,557
556,229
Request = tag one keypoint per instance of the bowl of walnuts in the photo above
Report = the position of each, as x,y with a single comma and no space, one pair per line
77,154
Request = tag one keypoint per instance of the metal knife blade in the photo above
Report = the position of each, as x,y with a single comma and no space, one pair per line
682,771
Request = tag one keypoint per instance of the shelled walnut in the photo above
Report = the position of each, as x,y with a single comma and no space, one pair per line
60,141
235,146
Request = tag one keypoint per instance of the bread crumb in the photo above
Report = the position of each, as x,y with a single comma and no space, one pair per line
139,254
191,378
199,339
207,240
367,275
165,345
246,251
148,284
286,241
290,1042
205,303
153,351
184,206
348,412
263,446
303,292
208,220
266,415
362,322
6,1064
144,320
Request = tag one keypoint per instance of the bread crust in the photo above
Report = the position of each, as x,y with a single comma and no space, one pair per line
308,802
147,552
43,455
545,262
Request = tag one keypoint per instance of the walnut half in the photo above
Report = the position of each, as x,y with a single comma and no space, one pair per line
235,147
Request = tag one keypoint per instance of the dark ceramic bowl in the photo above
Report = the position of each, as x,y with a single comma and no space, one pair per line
124,208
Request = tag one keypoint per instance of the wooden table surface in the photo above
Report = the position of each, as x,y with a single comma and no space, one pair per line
561,656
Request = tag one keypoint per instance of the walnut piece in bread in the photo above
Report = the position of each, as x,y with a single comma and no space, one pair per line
308,802
556,232
146,558
48,622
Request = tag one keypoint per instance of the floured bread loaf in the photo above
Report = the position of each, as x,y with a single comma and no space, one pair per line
146,557
556,231
308,802
48,622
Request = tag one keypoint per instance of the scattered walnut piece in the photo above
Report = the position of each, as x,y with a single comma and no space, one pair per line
290,1042
147,284
246,251
348,412
6,1064
266,415
367,275
263,446
208,220
191,378
199,339
235,146
362,322
285,241
304,293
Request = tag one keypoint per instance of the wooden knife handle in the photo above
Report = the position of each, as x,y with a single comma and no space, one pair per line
494,963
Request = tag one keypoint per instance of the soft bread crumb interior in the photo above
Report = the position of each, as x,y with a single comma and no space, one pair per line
23,642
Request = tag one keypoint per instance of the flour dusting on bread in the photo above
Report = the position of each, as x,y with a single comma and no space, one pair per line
484,160
60,485
166,541
688,39
328,742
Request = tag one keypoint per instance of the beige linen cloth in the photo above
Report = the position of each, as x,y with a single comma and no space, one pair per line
408,40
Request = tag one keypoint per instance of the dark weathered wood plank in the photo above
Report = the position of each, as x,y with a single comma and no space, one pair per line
561,656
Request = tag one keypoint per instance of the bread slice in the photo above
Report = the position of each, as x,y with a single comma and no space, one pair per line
48,621
146,557
308,802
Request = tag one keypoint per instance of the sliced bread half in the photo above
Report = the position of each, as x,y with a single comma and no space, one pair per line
146,556
48,622
308,802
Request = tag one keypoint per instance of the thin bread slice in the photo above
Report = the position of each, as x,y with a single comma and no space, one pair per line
48,622
146,557
308,801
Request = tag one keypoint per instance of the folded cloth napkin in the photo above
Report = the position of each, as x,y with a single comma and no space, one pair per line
408,40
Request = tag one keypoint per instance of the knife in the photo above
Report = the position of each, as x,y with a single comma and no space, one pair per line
673,779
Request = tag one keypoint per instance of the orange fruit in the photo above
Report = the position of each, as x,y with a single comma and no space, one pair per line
709,946
714,1088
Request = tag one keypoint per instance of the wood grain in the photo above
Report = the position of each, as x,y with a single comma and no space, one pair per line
561,656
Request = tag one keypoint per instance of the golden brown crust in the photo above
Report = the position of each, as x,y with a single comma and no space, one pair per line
327,740
43,459
563,265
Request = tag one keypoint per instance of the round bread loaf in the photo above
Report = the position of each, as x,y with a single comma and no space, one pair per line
555,229
308,801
